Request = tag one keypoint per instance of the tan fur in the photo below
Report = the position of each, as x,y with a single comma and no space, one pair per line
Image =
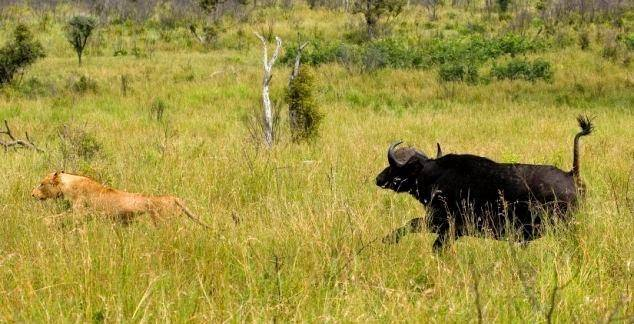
86,195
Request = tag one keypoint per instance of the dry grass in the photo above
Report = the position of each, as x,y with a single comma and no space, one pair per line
295,227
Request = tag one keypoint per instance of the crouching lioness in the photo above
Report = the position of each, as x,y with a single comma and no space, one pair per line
87,195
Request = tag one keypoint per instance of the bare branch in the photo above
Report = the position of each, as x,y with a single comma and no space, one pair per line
298,62
17,143
192,29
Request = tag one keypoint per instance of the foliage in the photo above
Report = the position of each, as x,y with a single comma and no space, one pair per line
523,69
83,84
304,115
157,109
399,52
503,5
77,143
584,40
629,41
374,10
78,31
18,54
318,52
458,72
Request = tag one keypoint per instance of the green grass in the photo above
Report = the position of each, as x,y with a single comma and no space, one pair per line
305,246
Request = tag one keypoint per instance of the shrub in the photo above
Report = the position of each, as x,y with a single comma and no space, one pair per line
157,109
78,143
449,72
629,41
584,40
318,52
304,116
503,5
78,31
521,69
83,84
18,54
392,53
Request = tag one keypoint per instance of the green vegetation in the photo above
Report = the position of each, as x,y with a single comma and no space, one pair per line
304,116
18,54
522,69
78,31
297,228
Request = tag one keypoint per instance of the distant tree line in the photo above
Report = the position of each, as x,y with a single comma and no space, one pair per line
587,10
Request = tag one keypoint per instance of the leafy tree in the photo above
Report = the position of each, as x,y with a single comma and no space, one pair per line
503,5
78,31
374,10
19,53
304,116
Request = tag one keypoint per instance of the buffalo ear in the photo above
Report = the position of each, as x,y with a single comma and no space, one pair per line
438,151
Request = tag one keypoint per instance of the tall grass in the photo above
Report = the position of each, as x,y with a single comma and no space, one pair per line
295,228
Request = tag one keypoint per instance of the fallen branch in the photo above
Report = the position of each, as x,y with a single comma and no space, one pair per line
15,142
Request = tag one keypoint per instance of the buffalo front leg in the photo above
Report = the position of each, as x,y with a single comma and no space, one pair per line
413,226
439,243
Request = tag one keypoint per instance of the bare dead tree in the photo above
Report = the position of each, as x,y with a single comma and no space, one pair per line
298,62
15,142
266,100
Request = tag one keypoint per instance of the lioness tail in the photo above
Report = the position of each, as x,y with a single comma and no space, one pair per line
191,215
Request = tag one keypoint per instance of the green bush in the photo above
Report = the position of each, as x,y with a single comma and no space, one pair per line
584,40
18,54
452,72
522,69
390,52
398,52
317,52
629,41
304,116
77,143
503,5
83,84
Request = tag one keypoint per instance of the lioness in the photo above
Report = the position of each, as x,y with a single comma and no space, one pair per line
86,194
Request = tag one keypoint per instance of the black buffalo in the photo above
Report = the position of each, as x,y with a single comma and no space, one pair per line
467,194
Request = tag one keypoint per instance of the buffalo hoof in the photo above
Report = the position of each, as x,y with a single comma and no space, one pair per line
393,238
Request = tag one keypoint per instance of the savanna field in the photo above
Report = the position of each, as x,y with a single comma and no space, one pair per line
296,229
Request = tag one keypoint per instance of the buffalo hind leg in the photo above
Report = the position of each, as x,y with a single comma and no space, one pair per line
444,234
413,226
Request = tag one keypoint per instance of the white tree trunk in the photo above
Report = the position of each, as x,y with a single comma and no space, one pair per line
266,100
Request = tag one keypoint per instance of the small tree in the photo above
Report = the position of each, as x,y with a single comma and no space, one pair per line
503,5
78,31
304,117
374,10
432,7
19,53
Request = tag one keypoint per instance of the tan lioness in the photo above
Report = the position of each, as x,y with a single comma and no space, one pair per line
86,195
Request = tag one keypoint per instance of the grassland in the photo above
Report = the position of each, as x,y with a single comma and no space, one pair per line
295,228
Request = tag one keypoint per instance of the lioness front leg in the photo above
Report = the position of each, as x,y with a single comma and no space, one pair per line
413,226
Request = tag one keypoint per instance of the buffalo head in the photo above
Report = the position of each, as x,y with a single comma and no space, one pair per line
406,165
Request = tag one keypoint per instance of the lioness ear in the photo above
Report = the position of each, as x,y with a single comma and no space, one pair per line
56,177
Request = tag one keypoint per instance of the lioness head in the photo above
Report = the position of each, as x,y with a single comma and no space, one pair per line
48,188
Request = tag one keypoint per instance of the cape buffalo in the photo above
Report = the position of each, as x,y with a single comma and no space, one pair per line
466,194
